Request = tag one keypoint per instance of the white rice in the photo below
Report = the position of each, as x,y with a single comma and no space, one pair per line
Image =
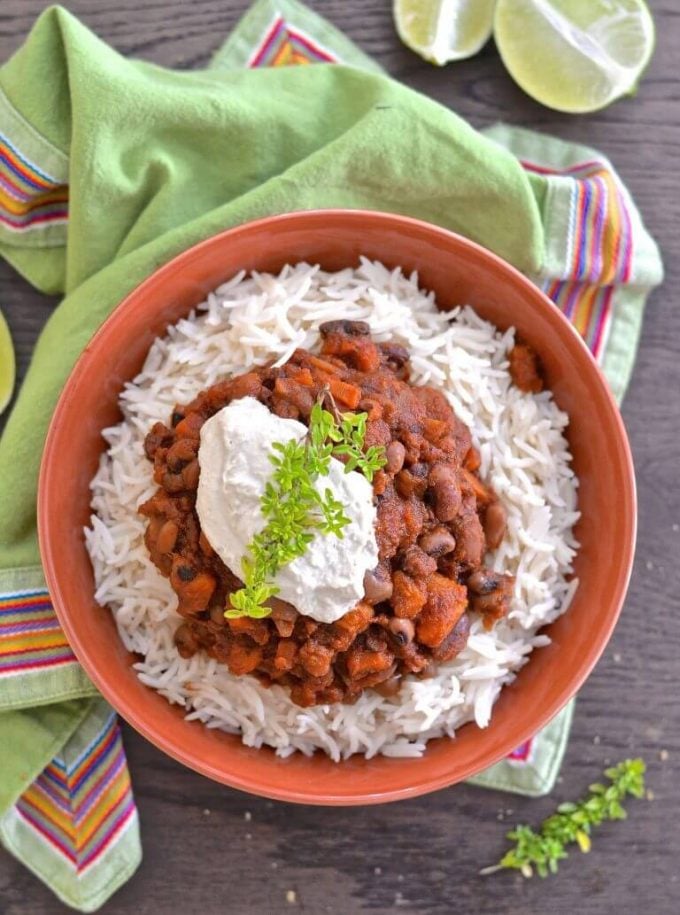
525,456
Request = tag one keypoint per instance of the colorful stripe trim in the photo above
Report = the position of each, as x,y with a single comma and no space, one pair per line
31,638
523,753
81,809
601,253
283,45
29,197
588,307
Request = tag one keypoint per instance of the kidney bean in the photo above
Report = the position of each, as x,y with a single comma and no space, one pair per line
494,523
179,454
190,475
395,455
205,545
172,482
445,492
185,640
283,616
167,537
389,687
216,613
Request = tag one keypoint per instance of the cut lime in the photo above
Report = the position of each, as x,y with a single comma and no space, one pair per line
574,55
7,364
444,30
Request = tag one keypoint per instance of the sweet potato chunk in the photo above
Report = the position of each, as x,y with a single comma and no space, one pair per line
361,663
446,603
408,596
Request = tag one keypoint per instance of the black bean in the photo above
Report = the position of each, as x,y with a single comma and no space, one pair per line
402,631
437,542
377,585
484,581
416,563
180,454
396,356
349,328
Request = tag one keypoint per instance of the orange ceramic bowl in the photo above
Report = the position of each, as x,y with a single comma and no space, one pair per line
459,272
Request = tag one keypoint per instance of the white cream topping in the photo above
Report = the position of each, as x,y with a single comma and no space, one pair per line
327,581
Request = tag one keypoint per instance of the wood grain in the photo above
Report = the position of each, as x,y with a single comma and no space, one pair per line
211,850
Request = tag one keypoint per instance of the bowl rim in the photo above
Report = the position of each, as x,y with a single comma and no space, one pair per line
419,785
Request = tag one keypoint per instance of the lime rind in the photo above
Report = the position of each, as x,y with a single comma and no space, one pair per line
7,364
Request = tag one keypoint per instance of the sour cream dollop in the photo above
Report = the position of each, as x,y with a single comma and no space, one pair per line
327,581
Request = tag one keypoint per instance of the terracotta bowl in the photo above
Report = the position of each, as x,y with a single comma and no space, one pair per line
459,272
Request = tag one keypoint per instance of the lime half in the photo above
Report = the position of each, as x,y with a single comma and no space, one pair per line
574,55
444,30
7,364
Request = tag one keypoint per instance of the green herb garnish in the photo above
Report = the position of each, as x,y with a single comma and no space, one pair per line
293,506
573,822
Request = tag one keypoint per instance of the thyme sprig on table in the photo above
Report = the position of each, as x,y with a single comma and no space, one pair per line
572,823
292,505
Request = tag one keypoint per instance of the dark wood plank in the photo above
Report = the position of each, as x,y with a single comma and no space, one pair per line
209,849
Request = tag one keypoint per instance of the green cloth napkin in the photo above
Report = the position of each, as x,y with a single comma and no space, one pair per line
157,160
109,167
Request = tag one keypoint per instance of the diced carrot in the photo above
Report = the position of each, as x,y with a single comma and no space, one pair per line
345,393
356,620
373,408
242,660
316,659
434,429
361,352
285,654
302,375
256,629
322,365
190,426
482,494
472,460
360,662
194,595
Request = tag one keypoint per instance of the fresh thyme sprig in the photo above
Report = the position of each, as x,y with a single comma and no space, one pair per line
294,507
573,822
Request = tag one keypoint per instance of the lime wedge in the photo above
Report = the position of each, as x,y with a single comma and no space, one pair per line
7,364
444,30
574,55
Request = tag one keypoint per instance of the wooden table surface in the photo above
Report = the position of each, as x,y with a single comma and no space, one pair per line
208,849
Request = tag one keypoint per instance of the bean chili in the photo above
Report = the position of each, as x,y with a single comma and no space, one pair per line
435,521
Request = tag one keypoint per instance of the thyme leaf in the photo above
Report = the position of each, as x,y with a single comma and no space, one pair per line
572,823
